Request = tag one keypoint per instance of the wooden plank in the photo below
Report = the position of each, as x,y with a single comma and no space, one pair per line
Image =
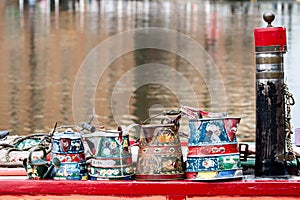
146,188
82,197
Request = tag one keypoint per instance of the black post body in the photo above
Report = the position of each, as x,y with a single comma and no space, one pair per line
270,108
270,135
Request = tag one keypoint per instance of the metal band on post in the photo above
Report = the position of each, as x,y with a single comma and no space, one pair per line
270,45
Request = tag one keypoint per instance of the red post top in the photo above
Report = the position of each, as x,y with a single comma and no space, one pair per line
270,39
271,36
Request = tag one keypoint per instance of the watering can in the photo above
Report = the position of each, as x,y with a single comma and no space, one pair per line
68,148
213,152
39,168
160,155
110,154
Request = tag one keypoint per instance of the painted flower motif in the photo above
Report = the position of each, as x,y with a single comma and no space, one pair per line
68,158
113,145
127,170
77,146
103,172
214,150
207,163
145,150
106,144
170,138
61,158
222,149
171,150
167,165
161,138
231,159
116,172
211,127
213,133
110,172
233,129
106,151
157,150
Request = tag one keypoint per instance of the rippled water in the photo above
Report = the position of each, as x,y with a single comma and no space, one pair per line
45,45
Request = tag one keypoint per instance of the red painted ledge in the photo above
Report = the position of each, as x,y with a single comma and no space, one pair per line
146,188
13,172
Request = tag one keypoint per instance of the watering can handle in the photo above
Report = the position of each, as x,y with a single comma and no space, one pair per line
88,127
195,113
171,112
175,121
35,149
168,112
127,129
183,134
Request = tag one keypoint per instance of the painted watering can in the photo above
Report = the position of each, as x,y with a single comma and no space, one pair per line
110,154
160,155
39,168
68,148
213,151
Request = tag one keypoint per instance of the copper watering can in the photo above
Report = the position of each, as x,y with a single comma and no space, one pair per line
160,155
39,168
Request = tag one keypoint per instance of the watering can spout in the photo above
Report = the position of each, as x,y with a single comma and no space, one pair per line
3,134
25,164
50,173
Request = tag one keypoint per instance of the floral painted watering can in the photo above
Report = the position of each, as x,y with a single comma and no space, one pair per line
213,152
39,168
68,148
110,154
160,155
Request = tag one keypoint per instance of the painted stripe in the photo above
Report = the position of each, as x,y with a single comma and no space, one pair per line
200,151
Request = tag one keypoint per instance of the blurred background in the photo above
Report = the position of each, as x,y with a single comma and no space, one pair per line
43,44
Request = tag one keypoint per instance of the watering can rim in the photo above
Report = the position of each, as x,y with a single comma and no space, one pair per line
158,125
67,135
105,133
214,118
72,163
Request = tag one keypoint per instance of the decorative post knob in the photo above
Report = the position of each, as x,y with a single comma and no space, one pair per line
269,18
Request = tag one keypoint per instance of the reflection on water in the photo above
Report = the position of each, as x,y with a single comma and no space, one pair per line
44,43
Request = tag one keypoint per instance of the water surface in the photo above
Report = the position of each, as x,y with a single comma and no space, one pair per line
43,44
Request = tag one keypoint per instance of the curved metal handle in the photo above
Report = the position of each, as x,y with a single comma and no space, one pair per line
167,112
127,129
172,112
88,127
36,148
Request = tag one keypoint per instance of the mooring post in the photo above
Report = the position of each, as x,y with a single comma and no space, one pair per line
270,46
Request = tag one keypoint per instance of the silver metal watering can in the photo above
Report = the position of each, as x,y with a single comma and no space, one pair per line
67,147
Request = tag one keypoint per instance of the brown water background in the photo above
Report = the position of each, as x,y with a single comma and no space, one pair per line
43,44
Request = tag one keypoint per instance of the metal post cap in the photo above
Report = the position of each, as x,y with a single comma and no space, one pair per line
269,17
